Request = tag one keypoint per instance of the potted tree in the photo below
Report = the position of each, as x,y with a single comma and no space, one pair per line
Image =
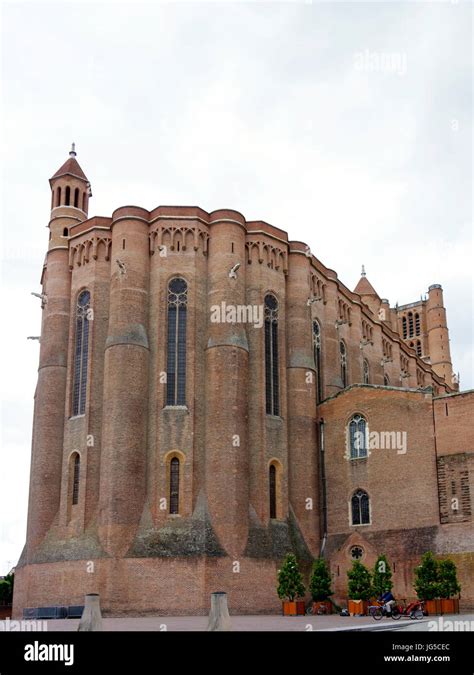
291,587
6,596
381,577
320,587
426,583
448,586
359,588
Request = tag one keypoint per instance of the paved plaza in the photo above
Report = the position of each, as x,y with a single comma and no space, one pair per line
268,623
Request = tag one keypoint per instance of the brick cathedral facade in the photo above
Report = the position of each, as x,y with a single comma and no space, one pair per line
210,397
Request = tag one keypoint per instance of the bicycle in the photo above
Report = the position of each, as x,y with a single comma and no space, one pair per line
414,610
377,612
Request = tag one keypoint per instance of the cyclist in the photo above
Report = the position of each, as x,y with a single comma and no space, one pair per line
388,600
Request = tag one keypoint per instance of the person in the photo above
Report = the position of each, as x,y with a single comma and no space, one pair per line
388,600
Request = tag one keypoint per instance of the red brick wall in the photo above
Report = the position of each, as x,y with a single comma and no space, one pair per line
140,586
402,487
453,419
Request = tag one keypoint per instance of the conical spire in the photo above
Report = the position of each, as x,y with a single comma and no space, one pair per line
364,287
71,167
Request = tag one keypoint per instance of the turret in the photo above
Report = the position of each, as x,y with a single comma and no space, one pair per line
368,294
70,187
50,397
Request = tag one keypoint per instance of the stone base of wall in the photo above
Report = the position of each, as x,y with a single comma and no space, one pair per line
159,586
182,586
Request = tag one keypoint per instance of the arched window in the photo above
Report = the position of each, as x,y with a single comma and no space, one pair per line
176,364
272,489
174,485
68,196
358,437
76,468
417,324
366,371
65,232
59,197
84,201
343,358
317,360
410,324
386,380
272,395
76,197
81,353
360,509
404,328
418,347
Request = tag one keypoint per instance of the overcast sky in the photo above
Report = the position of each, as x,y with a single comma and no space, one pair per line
346,124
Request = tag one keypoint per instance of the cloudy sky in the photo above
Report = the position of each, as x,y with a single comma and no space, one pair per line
346,124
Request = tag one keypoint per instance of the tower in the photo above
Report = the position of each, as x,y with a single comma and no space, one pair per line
438,335
70,192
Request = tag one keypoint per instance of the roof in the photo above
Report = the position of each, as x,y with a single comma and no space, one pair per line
364,287
71,167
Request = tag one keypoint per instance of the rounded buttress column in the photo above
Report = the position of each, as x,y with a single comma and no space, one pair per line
226,385
301,383
48,424
123,458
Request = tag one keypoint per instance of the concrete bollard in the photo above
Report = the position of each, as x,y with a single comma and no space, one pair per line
91,619
219,618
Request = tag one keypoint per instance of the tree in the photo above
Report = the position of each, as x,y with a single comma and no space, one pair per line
448,584
360,582
6,589
320,582
290,581
382,576
427,577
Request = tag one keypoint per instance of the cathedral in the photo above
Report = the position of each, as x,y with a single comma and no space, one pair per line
210,397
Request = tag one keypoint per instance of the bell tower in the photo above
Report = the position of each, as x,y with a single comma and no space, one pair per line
70,194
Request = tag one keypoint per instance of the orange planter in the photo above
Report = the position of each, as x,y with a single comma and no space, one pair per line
433,607
357,607
449,606
294,608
